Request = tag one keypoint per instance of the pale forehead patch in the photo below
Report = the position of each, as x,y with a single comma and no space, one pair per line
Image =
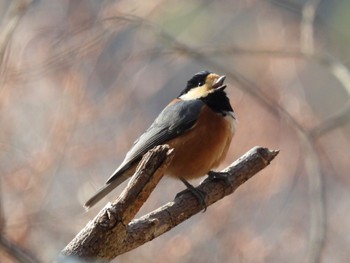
196,93
201,91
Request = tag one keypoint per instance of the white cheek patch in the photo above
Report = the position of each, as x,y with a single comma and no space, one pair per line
196,93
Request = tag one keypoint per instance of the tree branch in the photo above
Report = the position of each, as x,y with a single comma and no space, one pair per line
112,232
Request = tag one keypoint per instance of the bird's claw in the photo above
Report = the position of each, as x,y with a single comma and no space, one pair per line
199,194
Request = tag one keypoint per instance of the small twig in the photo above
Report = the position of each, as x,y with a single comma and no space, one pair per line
307,26
317,205
2,215
111,233
337,119
16,11
315,179
16,252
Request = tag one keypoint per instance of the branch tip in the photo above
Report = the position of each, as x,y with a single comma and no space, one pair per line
266,154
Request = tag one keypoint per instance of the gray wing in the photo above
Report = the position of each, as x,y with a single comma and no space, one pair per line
174,120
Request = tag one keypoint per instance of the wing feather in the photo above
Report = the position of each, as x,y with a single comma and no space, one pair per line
174,120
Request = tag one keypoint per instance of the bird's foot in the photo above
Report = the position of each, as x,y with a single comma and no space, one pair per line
199,194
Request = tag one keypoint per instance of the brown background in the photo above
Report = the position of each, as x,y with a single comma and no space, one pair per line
81,80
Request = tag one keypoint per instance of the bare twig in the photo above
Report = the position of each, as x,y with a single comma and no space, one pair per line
13,17
15,13
307,26
315,180
317,206
2,216
111,233
16,252
342,116
339,118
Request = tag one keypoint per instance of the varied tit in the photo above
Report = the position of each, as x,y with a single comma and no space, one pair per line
199,125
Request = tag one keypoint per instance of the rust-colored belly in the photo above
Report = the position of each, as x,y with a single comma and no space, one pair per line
203,147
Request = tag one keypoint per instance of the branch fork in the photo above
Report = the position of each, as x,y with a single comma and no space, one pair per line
114,230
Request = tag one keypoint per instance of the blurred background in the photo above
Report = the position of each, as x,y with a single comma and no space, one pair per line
81,80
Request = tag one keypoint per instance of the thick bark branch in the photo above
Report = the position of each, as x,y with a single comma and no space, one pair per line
112,232
103,236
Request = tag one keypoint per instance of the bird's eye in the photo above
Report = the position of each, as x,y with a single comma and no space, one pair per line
200,84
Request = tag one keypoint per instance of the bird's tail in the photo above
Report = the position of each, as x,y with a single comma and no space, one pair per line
106,189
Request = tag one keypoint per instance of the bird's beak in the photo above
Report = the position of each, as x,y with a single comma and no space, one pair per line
219,83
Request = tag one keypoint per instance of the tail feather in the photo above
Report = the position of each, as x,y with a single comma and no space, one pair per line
104,190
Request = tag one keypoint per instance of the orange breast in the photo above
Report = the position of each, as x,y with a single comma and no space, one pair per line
203,147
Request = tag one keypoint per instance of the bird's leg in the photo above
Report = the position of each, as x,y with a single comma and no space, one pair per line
219,176
199,194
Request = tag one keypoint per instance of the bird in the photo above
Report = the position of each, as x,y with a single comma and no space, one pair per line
199,125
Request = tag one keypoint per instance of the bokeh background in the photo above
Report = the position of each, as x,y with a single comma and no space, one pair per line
81,80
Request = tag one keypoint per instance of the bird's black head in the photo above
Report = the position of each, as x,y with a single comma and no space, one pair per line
208,87
202,84
197,80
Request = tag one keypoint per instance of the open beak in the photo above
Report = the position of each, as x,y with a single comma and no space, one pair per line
219,84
